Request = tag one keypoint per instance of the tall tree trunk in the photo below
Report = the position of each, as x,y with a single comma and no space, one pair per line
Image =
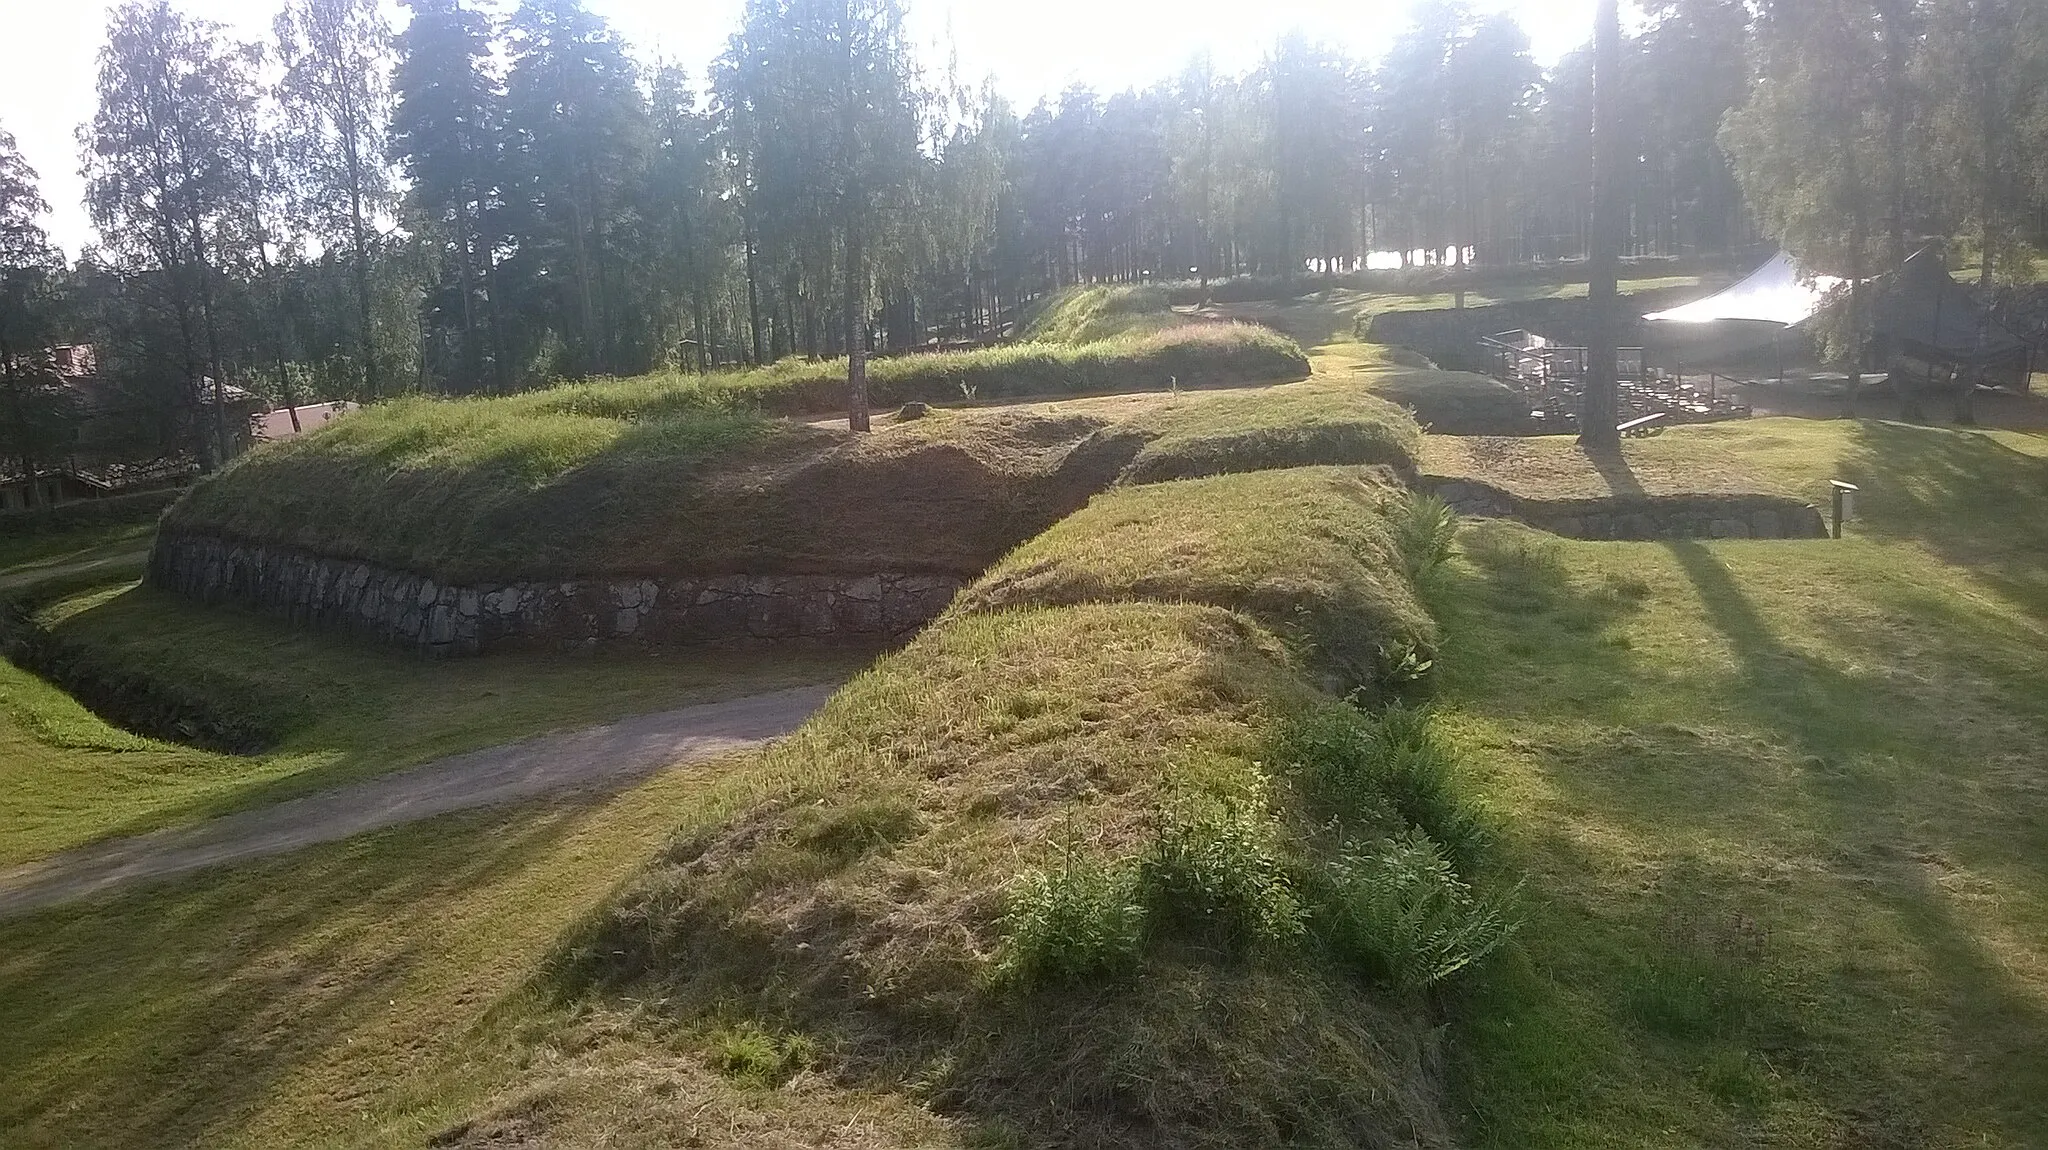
501,365
359,240
24,447
753,285
1896,109
1859,239
1599,409
856,331
593,354
211,322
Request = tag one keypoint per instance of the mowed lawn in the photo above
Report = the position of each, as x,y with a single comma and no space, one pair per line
1784,807
342,994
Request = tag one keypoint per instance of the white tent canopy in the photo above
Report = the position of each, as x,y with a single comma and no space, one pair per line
1777,293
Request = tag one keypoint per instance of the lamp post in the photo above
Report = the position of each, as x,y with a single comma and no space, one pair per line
1845,504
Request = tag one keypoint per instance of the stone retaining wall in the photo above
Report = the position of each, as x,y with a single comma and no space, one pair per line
1641,516
443,619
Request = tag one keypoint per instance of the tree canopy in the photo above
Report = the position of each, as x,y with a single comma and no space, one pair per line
495,196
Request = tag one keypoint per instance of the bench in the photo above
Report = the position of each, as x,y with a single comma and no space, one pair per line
1651,424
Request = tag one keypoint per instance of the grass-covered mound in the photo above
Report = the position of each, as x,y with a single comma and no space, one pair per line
1314,422
1110,873
1314,554
1085,341
1457,402
1086,314
1153,354
620,479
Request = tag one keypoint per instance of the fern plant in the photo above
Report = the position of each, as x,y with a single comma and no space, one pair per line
1400,913
1426,530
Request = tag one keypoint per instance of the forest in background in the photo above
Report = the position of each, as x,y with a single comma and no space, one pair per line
487,200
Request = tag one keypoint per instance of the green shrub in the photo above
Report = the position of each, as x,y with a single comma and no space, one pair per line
1400,914
1216,874
1075,922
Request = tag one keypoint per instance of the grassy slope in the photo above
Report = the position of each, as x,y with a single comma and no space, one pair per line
872,847
364,994
29,559
859,901
1781,801
672,474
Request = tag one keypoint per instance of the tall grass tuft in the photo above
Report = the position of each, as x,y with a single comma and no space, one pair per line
1400,914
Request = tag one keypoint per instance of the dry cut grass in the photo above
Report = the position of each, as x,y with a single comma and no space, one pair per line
859,901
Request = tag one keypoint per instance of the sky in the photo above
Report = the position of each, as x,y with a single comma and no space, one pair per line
1033,48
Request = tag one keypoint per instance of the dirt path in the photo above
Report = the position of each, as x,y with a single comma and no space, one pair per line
28,574
606,757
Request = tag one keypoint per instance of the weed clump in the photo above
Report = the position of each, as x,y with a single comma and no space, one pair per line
748,1054
1398,913
1215,874
1391,770
1078,922
1388,903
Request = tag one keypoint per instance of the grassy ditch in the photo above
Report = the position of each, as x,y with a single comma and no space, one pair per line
308,711
556,484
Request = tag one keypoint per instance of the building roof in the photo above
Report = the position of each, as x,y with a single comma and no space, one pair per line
1779,292
277,424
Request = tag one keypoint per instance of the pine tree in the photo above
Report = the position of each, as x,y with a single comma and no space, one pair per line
445,130
578,136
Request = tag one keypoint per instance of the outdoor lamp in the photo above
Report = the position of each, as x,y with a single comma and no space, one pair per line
1845,503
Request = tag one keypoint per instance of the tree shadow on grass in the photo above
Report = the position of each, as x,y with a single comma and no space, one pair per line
1937,1030
1972,500
164,1015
